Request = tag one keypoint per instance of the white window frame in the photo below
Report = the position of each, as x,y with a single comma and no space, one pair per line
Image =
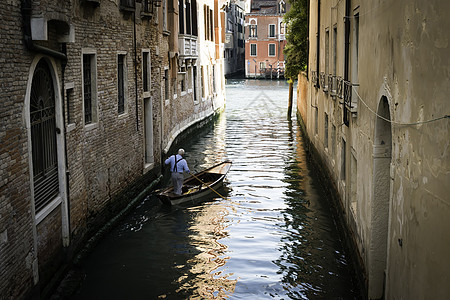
146,93
94,97
125,83
256,50
274,50
274,31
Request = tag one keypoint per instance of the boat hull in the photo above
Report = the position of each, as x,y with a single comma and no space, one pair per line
201,185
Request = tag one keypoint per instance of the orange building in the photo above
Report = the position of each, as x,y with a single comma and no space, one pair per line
265,39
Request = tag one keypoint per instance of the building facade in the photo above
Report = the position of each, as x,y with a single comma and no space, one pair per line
234,56
374,104
265,39
93,95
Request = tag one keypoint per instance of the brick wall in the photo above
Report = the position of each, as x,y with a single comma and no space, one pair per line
105,161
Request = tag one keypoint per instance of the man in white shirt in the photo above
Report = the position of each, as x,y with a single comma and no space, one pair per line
178,166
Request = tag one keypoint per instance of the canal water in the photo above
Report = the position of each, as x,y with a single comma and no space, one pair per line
271,236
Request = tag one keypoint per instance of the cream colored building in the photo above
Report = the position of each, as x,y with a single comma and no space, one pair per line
375,105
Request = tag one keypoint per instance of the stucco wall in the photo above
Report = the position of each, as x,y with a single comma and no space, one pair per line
393,178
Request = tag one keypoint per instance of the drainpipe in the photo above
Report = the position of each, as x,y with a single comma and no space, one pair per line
63,96
26,17
135,71
346,52
307,39
318,43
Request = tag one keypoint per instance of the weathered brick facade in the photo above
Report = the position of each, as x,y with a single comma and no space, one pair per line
103,164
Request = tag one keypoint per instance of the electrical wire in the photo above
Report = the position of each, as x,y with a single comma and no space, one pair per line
398,123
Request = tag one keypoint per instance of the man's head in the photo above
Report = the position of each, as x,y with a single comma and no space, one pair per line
181,151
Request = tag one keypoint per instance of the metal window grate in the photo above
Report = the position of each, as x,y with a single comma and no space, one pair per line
43,137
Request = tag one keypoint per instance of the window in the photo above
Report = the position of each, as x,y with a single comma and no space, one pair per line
325,138
252,49
188,17
71,103
211,25
194,72
262,65
271,30
89,88
316,120
271,49
334,50
353,181
182,79
253,29
202,81
214,78
164,14
327,52
121,79
333,139
205,21
181,16
208,23
194,17
282,28
343,155
282,7
166,84
146,71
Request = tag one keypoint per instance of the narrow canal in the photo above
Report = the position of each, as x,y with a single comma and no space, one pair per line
273,237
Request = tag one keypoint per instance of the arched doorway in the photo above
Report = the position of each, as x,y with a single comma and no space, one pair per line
382,150
43,136
49,204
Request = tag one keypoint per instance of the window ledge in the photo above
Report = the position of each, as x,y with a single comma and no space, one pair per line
122,116
40,216
70,127
148,167
91,126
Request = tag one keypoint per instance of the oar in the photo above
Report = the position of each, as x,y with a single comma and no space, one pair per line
209,187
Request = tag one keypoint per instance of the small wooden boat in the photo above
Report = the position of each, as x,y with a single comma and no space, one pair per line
197,185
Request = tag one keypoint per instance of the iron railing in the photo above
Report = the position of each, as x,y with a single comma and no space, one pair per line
339,86
323,82
332,85
348,94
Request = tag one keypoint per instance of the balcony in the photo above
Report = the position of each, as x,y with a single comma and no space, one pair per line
323,82
350,99
187,46
332,85
339,86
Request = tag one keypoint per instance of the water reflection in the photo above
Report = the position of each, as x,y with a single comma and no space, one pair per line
273,237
